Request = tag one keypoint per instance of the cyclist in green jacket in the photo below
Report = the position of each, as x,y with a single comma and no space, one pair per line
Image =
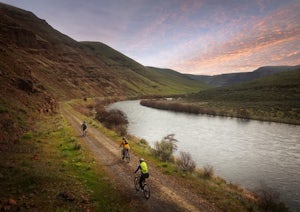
144,172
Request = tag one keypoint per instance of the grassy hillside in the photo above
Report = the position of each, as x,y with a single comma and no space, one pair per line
275,98
173,79
159,79
40,66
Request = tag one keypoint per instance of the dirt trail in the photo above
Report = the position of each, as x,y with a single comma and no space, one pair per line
166,193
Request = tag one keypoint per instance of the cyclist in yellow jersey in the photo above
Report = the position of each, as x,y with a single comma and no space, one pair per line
144,171
125,146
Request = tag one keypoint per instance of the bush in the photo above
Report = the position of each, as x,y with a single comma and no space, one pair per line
165,148
144,142
269,200
185,162
243,114
113,119
208,171
77,147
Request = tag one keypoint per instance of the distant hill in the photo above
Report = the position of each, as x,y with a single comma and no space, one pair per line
284,86
235,78
40,66
273,98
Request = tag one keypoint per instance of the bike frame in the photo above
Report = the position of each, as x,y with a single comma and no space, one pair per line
146,190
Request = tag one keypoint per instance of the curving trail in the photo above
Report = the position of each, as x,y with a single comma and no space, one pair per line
166,193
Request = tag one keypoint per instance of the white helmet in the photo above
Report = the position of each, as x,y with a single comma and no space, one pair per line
141,160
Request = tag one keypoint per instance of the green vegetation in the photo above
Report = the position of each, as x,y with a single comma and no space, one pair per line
165,148
273,98
49,169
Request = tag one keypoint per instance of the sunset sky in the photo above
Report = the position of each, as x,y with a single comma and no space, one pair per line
190,36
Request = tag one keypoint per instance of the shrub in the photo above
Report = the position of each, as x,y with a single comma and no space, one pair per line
242,113
120,129
77,147
165,148
185,162
269,200
113,119
144,142
208,171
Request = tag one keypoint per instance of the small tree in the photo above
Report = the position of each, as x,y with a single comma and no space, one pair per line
165,148
185,162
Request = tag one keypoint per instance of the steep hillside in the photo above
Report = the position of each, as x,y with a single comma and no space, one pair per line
173,78
40,66
159,79
235,78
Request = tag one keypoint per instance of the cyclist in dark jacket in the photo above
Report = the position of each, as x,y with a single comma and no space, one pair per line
84,128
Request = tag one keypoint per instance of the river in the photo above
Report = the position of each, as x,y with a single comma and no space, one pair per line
247,153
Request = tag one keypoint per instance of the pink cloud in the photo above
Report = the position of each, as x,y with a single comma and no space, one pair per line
272,40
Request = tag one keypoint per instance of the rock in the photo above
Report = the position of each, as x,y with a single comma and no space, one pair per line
12,201
25,85
66,196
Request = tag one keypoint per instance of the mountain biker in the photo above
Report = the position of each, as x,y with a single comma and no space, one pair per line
125,146
84,127
144,172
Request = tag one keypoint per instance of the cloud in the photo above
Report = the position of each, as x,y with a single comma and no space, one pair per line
273,39
193,35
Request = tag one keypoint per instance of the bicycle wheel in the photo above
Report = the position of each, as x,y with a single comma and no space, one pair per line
146,191
136,183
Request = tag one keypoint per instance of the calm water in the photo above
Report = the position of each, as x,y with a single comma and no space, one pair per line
248,153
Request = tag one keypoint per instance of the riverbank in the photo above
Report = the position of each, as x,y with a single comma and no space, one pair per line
225,195
236,148
244,110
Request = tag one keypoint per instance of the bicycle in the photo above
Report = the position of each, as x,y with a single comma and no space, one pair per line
126,155
146,190
84,132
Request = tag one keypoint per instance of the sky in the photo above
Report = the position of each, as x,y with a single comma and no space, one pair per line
207,37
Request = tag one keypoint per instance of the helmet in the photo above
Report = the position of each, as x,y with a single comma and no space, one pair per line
141,160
